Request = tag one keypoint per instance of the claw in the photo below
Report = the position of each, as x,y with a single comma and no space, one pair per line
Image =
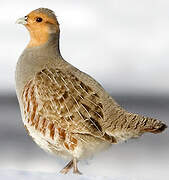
77,172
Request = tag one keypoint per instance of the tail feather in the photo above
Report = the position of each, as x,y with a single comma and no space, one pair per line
156,129
127,125
146,124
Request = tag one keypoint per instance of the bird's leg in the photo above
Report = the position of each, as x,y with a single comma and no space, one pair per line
67,168
75,169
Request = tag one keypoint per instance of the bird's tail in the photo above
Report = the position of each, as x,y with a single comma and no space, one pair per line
144,124
153,125
127,125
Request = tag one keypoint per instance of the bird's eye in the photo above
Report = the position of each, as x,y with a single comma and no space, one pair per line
26,18
39,19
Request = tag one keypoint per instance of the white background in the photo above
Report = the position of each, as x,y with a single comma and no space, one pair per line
124,44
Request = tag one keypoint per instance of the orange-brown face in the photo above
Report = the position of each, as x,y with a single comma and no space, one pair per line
40,26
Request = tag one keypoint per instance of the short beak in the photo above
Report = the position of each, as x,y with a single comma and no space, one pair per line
21,21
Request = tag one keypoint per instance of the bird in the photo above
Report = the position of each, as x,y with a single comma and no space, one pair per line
64,110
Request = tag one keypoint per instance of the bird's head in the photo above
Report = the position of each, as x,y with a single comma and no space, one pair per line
41,23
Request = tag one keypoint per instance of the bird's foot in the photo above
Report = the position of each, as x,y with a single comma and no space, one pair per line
67,168
70,165
77,172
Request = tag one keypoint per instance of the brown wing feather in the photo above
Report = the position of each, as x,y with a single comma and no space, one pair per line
63,101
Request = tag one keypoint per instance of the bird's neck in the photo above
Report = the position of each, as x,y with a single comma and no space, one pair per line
49,42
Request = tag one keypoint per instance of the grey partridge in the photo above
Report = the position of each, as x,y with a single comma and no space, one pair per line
64,110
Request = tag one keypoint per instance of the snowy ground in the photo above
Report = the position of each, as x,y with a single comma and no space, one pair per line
23,175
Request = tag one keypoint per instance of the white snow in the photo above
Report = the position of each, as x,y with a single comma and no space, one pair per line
26,175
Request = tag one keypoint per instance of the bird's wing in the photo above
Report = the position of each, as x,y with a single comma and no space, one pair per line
63,100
